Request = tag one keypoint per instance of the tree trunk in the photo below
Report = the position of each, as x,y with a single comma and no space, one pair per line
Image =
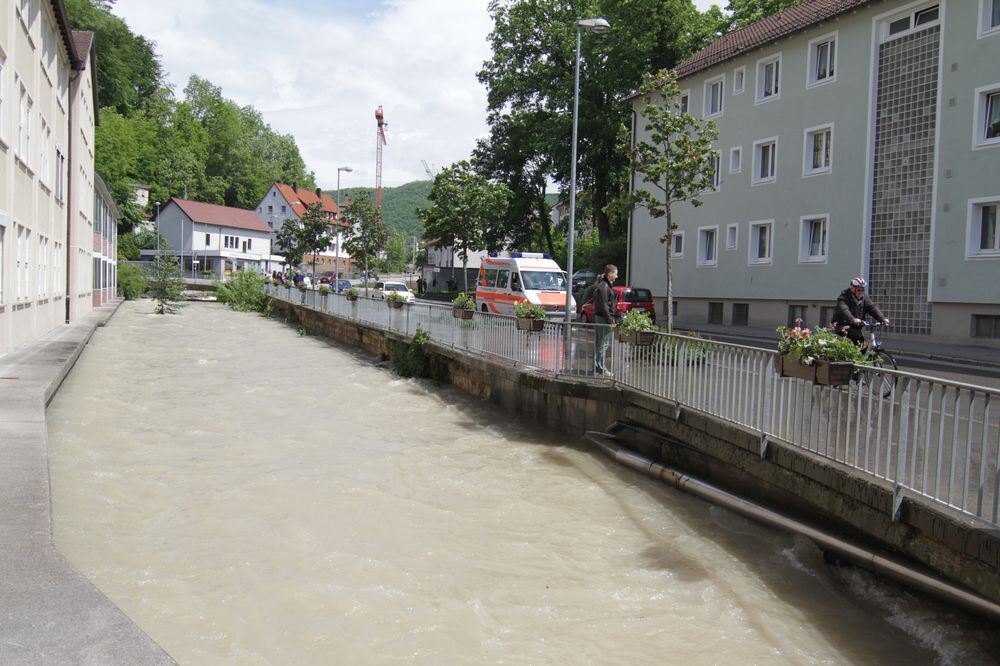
546,222
465,273
670,273
366,276
600,201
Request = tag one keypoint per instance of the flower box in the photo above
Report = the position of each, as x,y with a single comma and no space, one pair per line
637,338
826,373
462,313
394,304
352,297
531,325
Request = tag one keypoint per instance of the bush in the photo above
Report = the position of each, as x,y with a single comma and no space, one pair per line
324,289
412,360
132,281
635,321
244,292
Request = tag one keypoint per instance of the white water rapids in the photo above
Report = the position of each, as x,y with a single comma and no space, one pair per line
251,496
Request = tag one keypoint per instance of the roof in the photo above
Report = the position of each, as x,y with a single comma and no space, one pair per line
83,42
302,197
223,216
59,9
794,19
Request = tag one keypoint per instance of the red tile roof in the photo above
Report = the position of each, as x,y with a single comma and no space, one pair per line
303,197
794,19
224,216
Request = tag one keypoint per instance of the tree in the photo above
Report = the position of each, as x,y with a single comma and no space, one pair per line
464,205
287,240
315,233
165,284
395,252
529,82
367,234
677,162
745,12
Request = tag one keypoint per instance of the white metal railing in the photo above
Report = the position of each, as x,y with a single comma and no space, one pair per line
934,437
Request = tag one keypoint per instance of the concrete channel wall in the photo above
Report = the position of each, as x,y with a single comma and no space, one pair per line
790,480
49,612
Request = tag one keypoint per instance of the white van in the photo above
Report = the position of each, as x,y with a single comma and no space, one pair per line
523,276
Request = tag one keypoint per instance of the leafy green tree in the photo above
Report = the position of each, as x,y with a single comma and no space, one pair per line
395,252
315,233
128,248
287,240
464,205
132,281
244,292
745,12
366,235
675,163
529,82
165,284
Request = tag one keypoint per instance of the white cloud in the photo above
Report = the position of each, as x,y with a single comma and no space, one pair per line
320,77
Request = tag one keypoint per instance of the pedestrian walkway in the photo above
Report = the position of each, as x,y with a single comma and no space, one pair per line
49,612
959,355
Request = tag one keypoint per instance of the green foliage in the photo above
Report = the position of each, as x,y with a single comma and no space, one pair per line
165,284
367,235
353,292
674,164
324,289
464,205
689,349
396,254
635,321
128,248
243,292
464,302
399,206
412,359
395,297
805,345
745,12
315,233
526,310
146,239
132,281
288,240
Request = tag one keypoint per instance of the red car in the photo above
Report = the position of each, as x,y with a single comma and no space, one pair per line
625,299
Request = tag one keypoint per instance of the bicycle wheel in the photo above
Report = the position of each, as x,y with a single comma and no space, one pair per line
882,385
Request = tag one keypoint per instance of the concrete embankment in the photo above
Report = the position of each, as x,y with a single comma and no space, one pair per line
49,612
790,480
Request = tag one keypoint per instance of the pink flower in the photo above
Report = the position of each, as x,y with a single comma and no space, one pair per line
806,331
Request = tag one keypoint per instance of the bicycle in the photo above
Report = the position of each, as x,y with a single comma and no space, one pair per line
880,384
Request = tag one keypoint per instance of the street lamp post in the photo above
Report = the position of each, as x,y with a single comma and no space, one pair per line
336,257
595,25
156,229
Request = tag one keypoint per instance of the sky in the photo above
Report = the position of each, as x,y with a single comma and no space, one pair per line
317,69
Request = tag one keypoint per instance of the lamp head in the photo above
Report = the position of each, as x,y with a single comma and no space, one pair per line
347,169
597,25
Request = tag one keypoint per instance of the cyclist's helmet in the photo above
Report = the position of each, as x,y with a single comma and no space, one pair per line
859,282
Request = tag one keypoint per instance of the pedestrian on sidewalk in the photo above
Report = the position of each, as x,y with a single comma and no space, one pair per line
603,318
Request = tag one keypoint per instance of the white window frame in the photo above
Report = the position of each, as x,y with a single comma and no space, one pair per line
719,80
760,79
807,150
755,178
985,19
911,13
981,108
684,100
733,235
974,230
673,245
3,105
814,44
702,260
753,242
717,176
3,264
25,109
740,74
737,152
805,238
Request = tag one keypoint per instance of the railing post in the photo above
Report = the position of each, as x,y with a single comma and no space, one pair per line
764,404
904,437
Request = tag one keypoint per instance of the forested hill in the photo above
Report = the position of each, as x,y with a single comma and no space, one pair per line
399,205
203,144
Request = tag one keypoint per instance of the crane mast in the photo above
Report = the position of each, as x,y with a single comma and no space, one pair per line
379,142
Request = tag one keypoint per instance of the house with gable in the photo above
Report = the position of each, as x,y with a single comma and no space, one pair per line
289,202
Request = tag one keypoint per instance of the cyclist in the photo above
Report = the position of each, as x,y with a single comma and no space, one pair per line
852,307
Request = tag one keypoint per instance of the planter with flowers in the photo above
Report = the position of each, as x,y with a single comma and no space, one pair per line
819,356
463,307
636,328
352,294
530,316
395,300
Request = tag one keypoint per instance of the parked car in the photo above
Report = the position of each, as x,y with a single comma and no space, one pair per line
583,278
341,285
625,299
383,289
327,277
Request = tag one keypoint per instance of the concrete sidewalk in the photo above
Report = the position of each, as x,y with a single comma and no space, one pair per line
49,612
952,354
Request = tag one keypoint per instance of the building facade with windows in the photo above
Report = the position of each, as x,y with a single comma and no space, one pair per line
217,239
289,202
856,137
40,72
105,251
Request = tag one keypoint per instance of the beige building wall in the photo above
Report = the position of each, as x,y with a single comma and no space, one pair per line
82,187
36,67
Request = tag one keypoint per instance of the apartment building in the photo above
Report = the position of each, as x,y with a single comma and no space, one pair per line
289,202
46,101
856,137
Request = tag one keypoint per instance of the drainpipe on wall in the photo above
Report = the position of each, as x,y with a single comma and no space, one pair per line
69,194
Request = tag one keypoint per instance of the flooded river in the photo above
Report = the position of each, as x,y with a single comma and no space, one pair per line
252,496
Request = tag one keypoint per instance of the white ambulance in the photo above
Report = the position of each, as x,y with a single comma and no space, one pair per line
523,276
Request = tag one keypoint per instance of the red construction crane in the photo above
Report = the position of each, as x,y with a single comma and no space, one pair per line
379,142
